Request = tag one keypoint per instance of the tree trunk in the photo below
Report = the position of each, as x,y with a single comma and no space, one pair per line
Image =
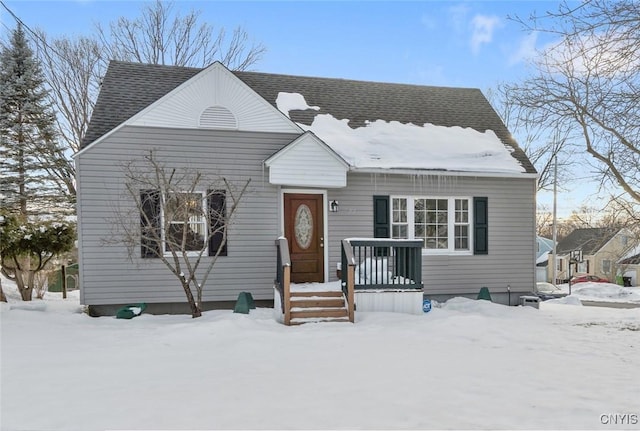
195,307
24,282
2,297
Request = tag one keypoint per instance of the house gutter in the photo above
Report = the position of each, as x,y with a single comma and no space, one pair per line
442,172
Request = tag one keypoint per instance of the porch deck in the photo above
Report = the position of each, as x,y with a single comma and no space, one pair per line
376,274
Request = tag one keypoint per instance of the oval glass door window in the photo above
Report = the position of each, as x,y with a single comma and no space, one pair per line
303,226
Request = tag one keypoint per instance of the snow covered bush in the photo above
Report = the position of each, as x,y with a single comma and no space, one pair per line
27,247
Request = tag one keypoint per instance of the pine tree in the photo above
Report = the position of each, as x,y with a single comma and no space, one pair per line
27,133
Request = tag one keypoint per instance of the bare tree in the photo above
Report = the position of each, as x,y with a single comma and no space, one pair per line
545,144
162,36
74,66
588,83
74,69
180,216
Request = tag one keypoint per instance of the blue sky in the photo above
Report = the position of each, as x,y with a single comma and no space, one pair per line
448,43
467,44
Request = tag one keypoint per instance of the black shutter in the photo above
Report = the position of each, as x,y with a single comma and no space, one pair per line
381,225
480,226
150,228
217,219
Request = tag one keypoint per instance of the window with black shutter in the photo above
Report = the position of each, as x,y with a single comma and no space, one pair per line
150,224
217,221
381,225
183,211
480,226
445,224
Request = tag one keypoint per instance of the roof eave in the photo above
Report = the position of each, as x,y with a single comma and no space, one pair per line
442,172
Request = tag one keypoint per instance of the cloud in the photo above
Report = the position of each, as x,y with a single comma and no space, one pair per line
458,17
483,27
526,49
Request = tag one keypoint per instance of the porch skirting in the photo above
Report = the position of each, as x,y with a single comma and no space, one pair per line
397,301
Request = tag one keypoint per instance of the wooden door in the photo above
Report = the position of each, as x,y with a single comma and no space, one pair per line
304,230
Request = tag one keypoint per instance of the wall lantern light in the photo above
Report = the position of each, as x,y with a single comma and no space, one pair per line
333,206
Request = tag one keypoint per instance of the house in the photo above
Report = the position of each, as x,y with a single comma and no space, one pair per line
328,159
629,267
593,251
544,247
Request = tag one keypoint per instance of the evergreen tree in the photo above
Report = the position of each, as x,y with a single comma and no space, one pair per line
27,133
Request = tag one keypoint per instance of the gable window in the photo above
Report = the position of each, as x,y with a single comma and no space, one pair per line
443,224
193,221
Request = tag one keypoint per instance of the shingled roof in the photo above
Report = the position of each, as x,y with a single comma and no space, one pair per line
128,88
589,240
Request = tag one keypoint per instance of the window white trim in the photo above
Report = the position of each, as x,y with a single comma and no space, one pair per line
451,223
205,223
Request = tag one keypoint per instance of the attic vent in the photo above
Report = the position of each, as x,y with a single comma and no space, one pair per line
218,117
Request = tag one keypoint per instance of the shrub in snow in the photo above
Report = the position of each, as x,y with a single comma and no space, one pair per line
26,248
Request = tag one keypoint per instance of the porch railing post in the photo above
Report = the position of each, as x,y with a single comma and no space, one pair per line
287,294
348,277
351,272
283,277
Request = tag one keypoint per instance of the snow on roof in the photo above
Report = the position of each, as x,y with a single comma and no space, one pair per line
632,252
293,101
544,257
394,145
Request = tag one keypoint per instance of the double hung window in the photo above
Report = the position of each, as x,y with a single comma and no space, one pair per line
443,224
185,221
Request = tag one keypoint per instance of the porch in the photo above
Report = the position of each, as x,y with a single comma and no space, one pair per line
375,275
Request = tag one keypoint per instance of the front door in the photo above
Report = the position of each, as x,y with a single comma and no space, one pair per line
304,230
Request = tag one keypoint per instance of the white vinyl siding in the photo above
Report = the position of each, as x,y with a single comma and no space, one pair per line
307,162
110,277
511,221
216,86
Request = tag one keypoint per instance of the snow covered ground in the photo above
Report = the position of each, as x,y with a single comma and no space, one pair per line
466,364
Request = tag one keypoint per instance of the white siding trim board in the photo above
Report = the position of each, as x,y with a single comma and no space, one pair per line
307,162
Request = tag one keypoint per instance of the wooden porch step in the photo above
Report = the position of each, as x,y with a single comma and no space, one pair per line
302,320
316,302
318,306
330,294
320,313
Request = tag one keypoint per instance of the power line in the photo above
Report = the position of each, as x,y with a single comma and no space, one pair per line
34,34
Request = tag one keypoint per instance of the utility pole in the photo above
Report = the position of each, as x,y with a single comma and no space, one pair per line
554,238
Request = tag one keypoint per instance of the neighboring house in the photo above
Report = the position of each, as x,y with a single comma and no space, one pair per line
544,247
629,267
361,159
601,250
